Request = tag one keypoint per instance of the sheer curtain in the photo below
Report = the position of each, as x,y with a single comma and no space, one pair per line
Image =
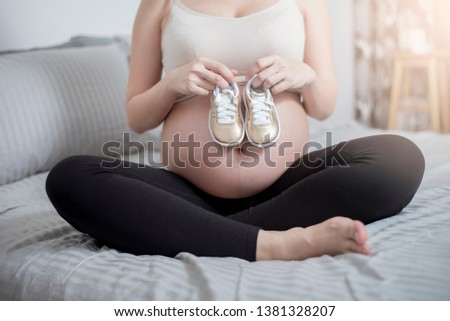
383,27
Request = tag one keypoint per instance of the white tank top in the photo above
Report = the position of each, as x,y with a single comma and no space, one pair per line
235,42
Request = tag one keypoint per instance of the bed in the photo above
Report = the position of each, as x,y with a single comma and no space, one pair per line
43,258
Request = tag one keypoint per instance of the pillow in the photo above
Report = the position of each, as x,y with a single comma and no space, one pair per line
123,41
78,41
60,102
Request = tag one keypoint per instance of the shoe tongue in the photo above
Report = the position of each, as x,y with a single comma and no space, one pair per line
228,92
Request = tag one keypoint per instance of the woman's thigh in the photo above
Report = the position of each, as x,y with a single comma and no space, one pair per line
368,179
381,158
143,210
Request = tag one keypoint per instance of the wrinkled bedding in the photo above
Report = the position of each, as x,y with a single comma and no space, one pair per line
44,258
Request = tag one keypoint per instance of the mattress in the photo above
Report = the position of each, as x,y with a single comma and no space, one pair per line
44,258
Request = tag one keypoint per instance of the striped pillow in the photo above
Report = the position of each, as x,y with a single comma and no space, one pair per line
60,102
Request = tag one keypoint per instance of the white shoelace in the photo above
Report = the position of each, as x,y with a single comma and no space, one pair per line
261,111
226,107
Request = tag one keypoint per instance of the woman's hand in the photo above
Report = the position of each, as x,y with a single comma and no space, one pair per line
279,74
200,77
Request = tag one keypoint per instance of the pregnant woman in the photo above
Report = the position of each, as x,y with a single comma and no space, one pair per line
233,82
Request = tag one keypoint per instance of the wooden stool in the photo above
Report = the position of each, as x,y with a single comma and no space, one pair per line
443,60
403,63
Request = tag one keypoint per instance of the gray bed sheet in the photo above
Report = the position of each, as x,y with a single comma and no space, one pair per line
44,258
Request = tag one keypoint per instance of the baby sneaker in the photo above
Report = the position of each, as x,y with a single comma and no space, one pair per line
261,124
226,123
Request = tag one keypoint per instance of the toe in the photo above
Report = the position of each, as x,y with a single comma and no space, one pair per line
360,235
362,249
365,249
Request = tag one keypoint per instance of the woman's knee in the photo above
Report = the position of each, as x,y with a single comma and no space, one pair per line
388,170
389,154
404,158
398,172
67,174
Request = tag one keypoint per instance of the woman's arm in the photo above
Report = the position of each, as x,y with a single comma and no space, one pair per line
148,99
319,96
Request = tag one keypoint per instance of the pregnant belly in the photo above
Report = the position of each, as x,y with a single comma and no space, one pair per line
189,151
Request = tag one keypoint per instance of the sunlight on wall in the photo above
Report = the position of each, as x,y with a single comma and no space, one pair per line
441,24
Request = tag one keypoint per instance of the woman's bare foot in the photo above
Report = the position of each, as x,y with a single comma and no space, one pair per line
335,236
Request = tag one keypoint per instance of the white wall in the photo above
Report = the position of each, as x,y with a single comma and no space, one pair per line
341,13
30,23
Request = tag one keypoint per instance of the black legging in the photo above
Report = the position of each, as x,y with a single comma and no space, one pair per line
153,211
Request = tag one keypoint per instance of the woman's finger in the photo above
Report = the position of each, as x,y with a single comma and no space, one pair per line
218,68
261,64
197,85
264,75
203,83
213,78
274,79
281,86
197,90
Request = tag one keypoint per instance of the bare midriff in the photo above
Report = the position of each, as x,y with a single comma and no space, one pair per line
237,172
